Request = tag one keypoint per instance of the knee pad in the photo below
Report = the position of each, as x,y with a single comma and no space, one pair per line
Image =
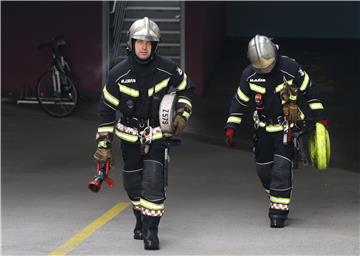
264,172
153,181
132,183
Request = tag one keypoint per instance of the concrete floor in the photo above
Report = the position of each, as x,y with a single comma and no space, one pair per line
215,206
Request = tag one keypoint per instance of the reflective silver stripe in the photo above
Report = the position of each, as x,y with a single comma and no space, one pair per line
182,100
304,83
183,84
106,129
129,91
315,106
234,119
279,200
158,87
242,95
186,115
150,205
127,137
113,100
279,87
274,128
257,88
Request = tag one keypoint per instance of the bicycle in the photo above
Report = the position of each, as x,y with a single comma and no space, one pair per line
55,90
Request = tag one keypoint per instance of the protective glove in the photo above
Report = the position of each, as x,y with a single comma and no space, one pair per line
229,136
103,152
179,123
291,111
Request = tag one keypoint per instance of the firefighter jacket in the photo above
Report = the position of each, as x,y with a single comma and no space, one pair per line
267,87
136,89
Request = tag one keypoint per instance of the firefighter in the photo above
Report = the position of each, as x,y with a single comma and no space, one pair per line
135,88
273,84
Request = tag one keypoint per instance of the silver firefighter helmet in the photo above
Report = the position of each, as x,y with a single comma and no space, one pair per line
262,53
143,29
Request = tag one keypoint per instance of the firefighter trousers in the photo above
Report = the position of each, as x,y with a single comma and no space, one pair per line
143,177
274,168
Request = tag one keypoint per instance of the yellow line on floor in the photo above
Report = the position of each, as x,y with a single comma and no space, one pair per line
89,230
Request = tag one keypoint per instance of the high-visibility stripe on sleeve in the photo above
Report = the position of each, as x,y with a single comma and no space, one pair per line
186,115
234,119
129,91
279,200
182,100
242,95
183,84
315,106
279,87
106,129
305,83
274,128
257,88
158,87
110,98
125,136
150,205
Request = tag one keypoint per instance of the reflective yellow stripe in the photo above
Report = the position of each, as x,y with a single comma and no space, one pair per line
158,87
234,119
279,87
315,106
279,200
302,116
242,95
182,100
102,144
257,88
186,115
304,83
274,128
125,136
183,84
150,205
106,129
293,97
129,91
135,202
157,136
113,100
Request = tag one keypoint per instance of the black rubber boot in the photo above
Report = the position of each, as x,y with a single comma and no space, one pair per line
277,221
138,226
150,232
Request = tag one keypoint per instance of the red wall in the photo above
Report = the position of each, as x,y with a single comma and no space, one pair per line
24,25
205,35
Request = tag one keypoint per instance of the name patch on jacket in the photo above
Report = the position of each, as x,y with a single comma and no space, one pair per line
127,81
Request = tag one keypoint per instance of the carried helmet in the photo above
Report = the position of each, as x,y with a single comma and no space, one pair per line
262,53
144,29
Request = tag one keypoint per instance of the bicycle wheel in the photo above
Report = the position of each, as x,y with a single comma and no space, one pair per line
56,100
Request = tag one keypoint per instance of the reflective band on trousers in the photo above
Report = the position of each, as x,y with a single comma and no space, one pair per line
257,88
279,200
274,128
106,129
129,91
234,119
187,102
304,83
315,106
150,205
127,137
183,84
113,100
242,95
136,202
158,87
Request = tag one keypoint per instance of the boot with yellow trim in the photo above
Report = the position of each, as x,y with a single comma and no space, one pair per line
150,232
138,226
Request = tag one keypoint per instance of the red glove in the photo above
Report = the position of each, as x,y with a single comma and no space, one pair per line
324,122
229,136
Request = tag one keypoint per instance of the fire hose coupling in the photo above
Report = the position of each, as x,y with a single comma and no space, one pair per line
102,174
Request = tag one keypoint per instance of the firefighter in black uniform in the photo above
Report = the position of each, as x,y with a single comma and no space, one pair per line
274,83
135,87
